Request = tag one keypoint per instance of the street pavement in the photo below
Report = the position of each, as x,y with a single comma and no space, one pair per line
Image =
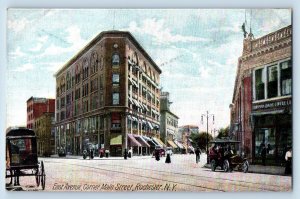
147,174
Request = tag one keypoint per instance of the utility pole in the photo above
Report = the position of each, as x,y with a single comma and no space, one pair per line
207,115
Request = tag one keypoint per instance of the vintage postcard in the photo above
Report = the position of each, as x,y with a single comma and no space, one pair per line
149,100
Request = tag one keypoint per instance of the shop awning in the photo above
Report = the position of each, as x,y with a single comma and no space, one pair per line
145,106
150,125
130,100
172,144
159,141
136,103
192,148
178,144
134,118
141,140
156,142
149,141
133,141
116,139
268,112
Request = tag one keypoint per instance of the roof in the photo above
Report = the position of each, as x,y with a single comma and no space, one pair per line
100,36
19,131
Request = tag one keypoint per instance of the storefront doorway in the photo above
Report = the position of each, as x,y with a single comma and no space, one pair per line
274,132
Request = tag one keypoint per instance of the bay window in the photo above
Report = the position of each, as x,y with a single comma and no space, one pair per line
273,81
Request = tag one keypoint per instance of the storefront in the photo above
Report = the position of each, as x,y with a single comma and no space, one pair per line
272,125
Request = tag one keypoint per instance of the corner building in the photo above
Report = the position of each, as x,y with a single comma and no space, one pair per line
261,109
108,95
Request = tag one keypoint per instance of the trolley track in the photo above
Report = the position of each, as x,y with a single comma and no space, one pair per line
215,184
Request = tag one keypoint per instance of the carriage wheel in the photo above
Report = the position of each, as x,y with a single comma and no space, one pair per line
43,176
37,178
226,166
213,165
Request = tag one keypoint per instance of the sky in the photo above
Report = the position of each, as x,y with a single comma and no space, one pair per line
196,49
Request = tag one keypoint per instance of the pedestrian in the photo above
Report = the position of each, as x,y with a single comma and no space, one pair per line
198,153
130,152
157,155
263,154
288,161
168,158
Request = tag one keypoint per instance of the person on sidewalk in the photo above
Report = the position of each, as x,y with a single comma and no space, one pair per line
264,154
198,153
168,158
288,161
157,155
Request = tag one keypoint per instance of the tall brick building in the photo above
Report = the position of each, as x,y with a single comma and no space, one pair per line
108,95
36,106
261,109
168,122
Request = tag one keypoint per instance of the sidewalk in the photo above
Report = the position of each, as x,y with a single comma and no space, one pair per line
272,170
98,158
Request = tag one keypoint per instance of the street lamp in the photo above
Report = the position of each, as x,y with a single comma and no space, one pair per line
207,115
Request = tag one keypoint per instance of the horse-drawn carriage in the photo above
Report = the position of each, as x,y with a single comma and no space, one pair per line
21,157
223,154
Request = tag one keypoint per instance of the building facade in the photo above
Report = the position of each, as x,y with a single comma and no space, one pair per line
261,109
168,122
36,106
44,129
108,95
185,133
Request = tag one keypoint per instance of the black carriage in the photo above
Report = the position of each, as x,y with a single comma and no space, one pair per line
21,157
223,154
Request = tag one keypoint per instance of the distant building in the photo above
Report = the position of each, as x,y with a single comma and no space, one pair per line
261,109
36,107
168,121
44,129
108,95
185,133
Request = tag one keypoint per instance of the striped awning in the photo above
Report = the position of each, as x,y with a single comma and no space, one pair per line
172,144
141,140
133,141
178,144
159,141
150,125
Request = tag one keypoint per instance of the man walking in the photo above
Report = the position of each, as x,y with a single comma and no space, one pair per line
197,152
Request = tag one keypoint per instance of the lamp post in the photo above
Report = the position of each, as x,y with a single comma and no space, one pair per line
207,115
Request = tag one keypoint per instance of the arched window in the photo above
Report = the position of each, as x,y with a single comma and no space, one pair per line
115,59
68,80
135,58
85,66
77,74
94,62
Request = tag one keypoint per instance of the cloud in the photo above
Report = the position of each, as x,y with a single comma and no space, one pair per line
36,48
17,25
161,34
17,53
73,38
43,38
25,67
53,67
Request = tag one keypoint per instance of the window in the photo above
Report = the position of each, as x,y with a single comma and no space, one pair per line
286,78
259,84
77,75
94,62
77,94
68,99
62,102
272,81
116,98
115,79
115,59
94,85
85,68
68,80
101,81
